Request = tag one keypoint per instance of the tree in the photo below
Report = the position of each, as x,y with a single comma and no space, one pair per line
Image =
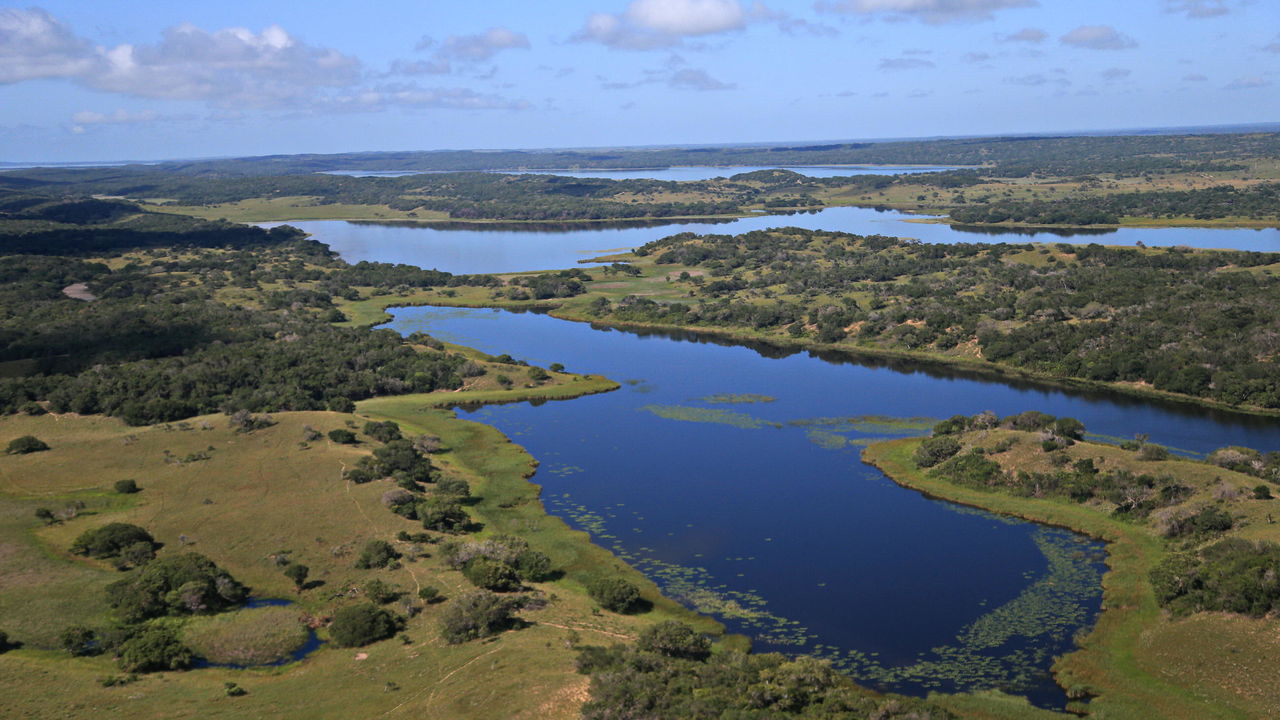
46,515
126,487
155,648
442,513
674,639
476,615
491,574
110,540
383,432
357,625
614,594
5,644
936,449
376,554
342,436
298,573
175,585
26,444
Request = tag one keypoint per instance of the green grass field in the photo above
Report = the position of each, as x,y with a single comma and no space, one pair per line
266,494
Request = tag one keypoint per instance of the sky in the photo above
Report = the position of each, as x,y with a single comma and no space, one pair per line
149,79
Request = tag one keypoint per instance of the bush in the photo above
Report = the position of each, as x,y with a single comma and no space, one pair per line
110,540
430,594
936,449
298,573
442,513
380,592
1233,575
357,625
476,615
79,641
126,487
614,594
154,648
1262,492
1153,453
26,444
383,432
175,585
533,566
342,436
376,554
674,639
491,574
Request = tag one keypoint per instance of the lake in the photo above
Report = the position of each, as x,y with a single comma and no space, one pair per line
683,174
761,513
731,476
470,248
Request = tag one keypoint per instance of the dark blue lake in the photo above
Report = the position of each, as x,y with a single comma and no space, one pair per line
464,248
762,514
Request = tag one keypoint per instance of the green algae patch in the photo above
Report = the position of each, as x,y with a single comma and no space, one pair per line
737,399
715,416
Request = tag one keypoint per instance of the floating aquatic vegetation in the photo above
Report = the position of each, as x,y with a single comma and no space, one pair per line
827,440
870,424
708,415
737,399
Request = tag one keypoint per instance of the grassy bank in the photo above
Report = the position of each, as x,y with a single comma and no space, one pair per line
267,494
1125,660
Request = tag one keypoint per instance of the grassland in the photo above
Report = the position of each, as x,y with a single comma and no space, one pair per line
269,494
1137,662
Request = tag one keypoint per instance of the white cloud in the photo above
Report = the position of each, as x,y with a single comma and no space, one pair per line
234,67
1116,73
1247,83
1197,8
229,69
691,79
904,64
1027,35
34,44
933,12
650,24
465,49
119,117
1098,37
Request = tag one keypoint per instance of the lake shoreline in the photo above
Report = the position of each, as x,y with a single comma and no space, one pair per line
980,368
1104,665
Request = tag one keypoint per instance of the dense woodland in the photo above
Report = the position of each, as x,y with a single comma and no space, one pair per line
158,344
1013,156
1199,323
1256,202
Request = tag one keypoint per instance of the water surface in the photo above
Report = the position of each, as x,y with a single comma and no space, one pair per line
683,174
465,248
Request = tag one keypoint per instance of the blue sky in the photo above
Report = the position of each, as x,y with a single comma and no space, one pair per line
149,80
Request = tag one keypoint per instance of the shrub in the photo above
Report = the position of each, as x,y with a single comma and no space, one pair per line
936,449
1233,575
614,594
1262,492
4,642
154,648
476,615
1152,453
674,639
175,585
429,594
79,641
380,592
383,432
442,513
26,444
126,487
533,566
342,436
491,574
110,539
376,554
357,625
